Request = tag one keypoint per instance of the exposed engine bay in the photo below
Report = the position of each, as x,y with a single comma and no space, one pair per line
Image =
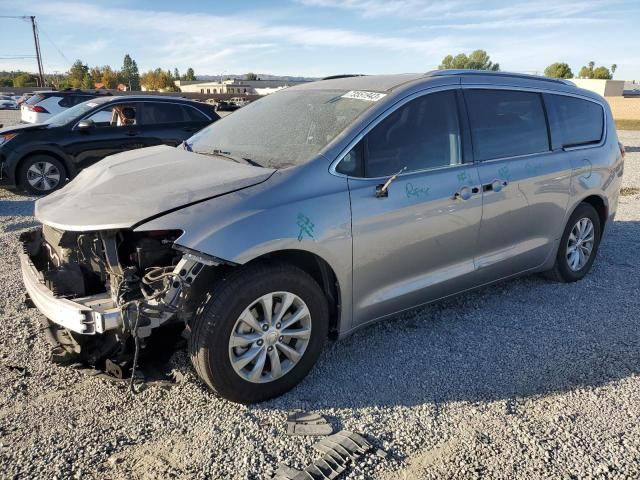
125,284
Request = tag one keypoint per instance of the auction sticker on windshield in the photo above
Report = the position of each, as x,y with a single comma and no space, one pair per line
363,95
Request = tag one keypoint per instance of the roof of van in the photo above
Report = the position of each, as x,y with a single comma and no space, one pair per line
385,83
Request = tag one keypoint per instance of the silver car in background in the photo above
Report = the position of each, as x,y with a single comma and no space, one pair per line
319,209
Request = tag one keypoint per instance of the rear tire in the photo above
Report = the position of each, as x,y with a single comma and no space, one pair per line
41,174
279,361
578,245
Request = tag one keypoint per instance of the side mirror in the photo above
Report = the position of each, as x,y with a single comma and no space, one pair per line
85,124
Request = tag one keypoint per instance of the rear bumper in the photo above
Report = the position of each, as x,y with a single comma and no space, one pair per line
87,315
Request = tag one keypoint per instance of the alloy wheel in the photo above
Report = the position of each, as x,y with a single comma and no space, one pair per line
580,244
270,337
43,176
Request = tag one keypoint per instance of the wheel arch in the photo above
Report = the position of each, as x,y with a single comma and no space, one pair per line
599,204
61,157
321,271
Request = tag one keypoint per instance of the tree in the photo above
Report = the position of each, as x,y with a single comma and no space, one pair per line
614,67
129,73
87,82
24,80
601,73
158,80
176,74
477,60
558,70
96,74
109,77
76,73
190,76
251,76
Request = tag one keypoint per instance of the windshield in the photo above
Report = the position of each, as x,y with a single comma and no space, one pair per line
73,113
282,129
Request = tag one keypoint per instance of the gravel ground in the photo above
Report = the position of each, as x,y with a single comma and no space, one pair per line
9,117
525,379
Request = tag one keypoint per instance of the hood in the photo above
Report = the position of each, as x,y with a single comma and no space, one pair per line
128,188
23,127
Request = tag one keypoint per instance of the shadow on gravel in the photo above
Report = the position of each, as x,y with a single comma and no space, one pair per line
632,149
14,227
22,208
520,338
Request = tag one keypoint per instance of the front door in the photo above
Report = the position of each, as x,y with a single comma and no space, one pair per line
115,129
414,242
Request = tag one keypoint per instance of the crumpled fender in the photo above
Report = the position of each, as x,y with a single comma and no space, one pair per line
280,214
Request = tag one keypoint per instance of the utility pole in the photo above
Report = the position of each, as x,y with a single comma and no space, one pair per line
38,54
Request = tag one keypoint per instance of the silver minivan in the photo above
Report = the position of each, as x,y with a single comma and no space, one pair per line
317,210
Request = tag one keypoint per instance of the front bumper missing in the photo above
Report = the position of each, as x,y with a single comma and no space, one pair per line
86,315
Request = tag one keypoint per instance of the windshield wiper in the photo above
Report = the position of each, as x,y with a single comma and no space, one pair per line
220,153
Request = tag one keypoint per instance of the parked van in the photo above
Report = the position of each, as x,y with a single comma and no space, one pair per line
319,209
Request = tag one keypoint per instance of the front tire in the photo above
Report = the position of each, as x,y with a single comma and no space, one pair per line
260,332
578,245
41,174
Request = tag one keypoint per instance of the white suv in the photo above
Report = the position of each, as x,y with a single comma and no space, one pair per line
43,105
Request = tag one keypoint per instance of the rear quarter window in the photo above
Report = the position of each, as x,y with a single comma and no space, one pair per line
506,123
35,99
574,121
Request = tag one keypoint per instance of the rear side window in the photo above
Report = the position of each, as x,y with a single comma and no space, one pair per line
193,114
423,134
161,113
506,123
574,121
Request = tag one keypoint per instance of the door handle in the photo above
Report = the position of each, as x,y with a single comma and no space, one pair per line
132,134
495,186
189,129
465,193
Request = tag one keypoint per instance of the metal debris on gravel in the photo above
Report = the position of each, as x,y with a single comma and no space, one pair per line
302,423
338,451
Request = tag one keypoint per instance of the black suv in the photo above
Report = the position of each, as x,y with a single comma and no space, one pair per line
40,157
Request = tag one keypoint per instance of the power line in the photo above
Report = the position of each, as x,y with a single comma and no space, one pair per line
36,41
54,45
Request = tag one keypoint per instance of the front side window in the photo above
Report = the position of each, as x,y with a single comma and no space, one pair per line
423,134
574,121
120,115
506,123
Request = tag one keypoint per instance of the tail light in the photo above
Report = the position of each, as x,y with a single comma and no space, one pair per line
38,109
622,150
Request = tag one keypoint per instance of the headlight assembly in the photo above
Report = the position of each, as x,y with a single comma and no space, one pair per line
5,137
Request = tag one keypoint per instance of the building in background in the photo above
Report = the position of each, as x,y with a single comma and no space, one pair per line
606,88
235,86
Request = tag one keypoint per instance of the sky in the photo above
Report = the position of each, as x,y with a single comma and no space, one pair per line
322,37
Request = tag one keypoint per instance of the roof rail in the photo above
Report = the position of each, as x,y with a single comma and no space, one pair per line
443,73
346,75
